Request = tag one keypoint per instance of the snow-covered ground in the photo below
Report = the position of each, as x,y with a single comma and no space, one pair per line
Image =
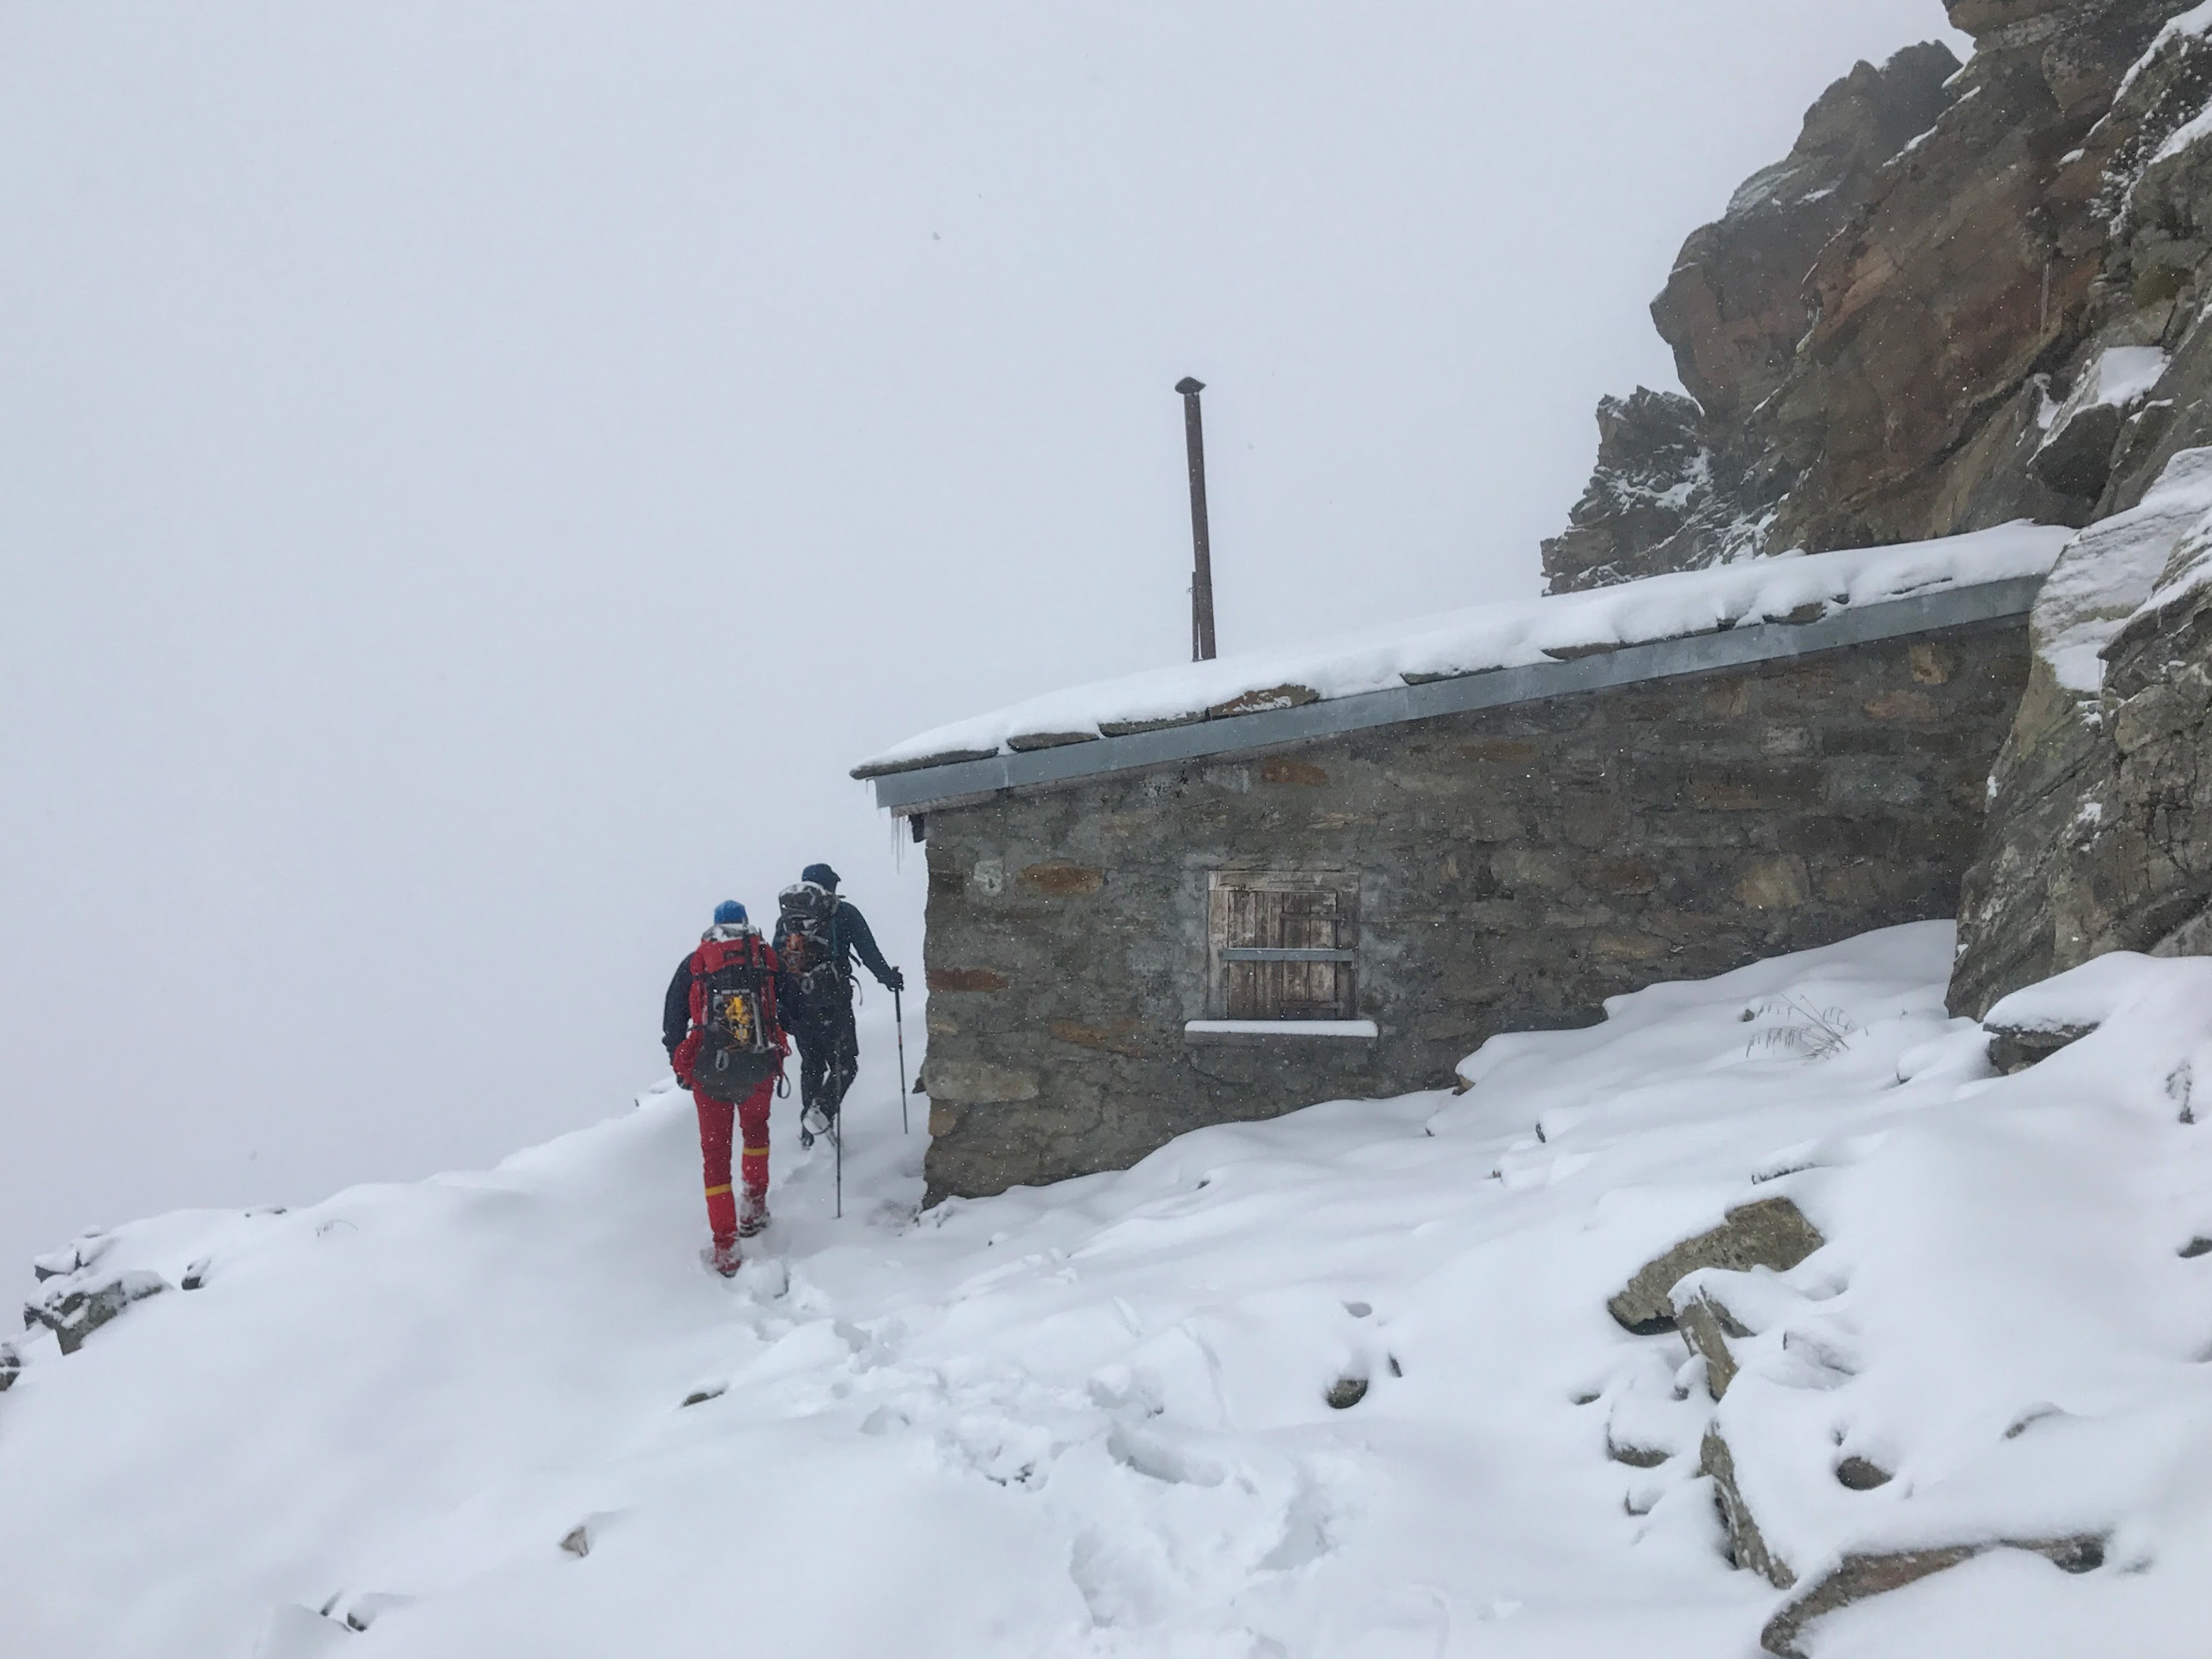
1094,1419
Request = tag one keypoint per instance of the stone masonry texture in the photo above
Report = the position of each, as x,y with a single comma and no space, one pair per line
1514,867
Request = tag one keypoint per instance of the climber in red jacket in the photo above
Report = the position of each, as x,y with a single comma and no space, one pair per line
720,1023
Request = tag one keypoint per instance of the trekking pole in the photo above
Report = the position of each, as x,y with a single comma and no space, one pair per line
898,1024
837,1149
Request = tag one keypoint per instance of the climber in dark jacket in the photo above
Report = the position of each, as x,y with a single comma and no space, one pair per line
823,933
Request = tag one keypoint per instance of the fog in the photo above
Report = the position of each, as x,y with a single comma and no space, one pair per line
474,476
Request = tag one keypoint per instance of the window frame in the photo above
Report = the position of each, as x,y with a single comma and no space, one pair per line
1220,955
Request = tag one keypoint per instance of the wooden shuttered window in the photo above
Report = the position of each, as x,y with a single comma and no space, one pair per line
1282,945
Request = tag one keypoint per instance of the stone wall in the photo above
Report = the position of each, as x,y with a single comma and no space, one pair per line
1515,866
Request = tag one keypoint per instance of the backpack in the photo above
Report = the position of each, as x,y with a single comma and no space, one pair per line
806,942
733,1011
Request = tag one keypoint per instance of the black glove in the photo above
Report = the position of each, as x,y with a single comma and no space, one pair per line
897,981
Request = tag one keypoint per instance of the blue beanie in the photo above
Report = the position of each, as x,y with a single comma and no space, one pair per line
821,875
729,913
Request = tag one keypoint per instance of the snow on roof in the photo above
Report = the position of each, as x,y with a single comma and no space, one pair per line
1791,587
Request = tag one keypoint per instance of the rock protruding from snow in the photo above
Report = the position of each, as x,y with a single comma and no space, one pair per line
1770,1233
1706,1326
11,1365
73,1257
1857,1577
1747,1545
2015,1048
73,1310
2035,1022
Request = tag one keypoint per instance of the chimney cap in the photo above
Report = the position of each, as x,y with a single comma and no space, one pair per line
1190,386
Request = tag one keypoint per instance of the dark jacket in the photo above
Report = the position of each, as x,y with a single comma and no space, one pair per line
848,933
833,993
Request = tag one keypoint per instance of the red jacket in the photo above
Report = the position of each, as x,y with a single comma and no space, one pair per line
681,1010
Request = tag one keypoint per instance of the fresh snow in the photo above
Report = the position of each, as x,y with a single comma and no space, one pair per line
2081,1000
1090,1419
2188,567
2120,376
2109,571
1507,635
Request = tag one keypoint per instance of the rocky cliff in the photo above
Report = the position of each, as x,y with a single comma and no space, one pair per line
1971,294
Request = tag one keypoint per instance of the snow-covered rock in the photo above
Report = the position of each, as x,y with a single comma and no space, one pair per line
2106,573
81,1302
2075,454
1770,1233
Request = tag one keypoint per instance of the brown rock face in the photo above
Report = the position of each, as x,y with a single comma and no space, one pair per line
1736,306
1912,410
1681,483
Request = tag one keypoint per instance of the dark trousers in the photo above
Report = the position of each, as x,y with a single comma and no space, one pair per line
829,1054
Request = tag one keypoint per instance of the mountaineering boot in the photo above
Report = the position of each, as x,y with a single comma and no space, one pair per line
752,1215
722,1256
815,1123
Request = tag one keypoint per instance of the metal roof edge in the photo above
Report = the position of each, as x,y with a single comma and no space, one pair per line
1628,664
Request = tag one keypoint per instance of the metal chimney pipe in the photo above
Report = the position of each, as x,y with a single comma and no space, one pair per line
1202,581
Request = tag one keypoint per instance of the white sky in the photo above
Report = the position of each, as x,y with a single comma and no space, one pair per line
473,476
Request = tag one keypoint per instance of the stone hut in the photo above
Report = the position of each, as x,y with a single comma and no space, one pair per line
1229,889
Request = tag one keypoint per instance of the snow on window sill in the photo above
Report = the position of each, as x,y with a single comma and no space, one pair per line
1360,1029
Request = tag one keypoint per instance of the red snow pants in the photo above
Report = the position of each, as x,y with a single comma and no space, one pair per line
714,1124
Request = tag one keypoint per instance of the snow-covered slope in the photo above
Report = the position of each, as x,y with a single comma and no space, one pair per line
1094,1419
